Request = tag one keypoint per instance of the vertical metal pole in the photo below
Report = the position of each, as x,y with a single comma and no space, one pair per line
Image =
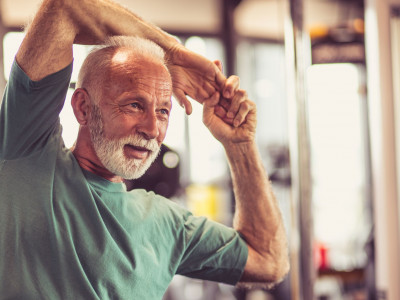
228,34
298,53
383,117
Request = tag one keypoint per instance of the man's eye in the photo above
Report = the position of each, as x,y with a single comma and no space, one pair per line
164,111
135,105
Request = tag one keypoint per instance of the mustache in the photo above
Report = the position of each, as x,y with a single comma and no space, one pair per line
139,141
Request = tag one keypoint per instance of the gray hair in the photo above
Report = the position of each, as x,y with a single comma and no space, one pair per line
92,73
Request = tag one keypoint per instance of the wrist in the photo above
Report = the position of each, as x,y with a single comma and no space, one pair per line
236,150
167,42
175,52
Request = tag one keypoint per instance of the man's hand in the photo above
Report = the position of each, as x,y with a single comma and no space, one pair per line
193,75
230,120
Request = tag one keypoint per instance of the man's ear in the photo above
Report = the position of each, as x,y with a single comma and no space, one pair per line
81,104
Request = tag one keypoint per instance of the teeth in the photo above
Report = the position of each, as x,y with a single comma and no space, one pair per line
139,148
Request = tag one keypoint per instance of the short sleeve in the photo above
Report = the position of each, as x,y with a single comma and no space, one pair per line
214,252
30,111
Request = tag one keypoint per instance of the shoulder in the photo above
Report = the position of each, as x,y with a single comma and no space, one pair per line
30,109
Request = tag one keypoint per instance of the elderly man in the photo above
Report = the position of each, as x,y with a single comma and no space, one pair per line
68,228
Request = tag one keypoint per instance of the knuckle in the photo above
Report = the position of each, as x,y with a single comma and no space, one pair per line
235,78
247,105
242,93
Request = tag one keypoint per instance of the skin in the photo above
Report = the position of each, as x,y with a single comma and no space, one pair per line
228,113
137,101
59,24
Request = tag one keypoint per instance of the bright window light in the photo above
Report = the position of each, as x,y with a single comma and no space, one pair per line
11,43
338,162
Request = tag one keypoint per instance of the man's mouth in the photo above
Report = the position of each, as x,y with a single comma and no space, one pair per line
136,152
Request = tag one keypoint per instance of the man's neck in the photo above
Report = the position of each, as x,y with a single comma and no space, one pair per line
88,160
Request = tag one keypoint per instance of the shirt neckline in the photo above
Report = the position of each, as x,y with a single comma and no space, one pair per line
102,183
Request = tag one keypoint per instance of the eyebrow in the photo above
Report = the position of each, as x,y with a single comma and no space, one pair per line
166,103
144,100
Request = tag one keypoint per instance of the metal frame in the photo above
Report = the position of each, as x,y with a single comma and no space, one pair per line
298,57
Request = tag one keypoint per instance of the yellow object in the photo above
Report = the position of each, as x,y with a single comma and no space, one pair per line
202,200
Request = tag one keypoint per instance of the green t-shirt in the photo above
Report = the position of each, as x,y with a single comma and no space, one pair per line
66,233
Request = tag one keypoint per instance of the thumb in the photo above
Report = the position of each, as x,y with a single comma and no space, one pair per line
218,64
209,105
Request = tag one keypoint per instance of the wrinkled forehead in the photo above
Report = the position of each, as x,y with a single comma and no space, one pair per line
128,70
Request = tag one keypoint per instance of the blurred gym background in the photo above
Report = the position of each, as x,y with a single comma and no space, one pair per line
324,75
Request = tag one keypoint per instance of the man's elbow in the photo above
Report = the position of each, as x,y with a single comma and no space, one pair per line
281,270
276,270
265,271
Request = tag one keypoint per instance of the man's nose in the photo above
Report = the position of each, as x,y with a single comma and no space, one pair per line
149,126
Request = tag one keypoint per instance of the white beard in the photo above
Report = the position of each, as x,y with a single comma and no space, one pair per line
111,151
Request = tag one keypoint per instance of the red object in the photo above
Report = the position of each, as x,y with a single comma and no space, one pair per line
323,257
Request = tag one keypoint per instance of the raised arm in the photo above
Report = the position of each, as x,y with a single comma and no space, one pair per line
59,24
257,215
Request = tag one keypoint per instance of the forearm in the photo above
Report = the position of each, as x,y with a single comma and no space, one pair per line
253,192
257,214
59,23
99,19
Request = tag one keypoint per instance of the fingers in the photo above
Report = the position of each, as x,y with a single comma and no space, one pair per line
239,108
209,106
225,104
231,86
219,77
183,101
221,113
234,106
207,91
244,109
218,63
237,99
212,101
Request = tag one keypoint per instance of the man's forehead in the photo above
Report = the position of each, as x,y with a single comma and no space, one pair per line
126,61
136,75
